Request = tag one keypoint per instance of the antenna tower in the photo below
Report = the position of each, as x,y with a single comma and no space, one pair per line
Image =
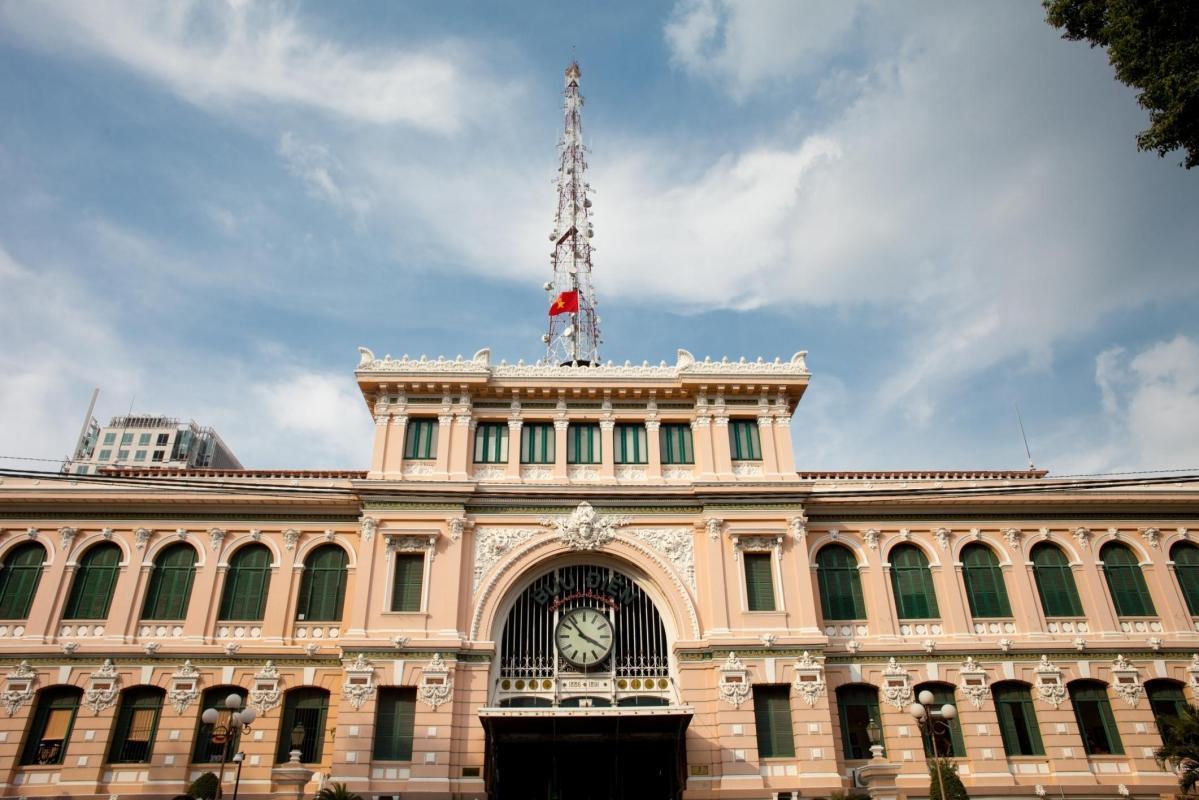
573,337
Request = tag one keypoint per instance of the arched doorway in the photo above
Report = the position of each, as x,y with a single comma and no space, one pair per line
583,703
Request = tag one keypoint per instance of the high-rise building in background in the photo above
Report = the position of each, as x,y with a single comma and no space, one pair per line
146,440
574,579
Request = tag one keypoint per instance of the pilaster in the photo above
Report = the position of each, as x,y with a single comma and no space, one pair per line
770,464
701,440
783,449
393,462
607,449
463,445
515,425
653,441
445,435
722,456
561,425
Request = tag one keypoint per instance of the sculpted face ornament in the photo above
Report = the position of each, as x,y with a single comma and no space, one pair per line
584,529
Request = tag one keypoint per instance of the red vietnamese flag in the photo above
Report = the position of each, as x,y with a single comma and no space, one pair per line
567,303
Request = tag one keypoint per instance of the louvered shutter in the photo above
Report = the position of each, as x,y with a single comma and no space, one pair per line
1186,569
840,584
772,721
91,590
395,719
759,585
911,581
1055,582
1130,594
983,577
19,578
406,587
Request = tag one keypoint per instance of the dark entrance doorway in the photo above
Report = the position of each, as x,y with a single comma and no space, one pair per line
541,755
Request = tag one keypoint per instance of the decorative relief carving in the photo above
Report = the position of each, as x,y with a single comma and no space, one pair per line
66,536
490,472
674,543
585,529
536,472
1012,537
809,678
1126,681
266,693
798,526
481,365
106,533
367,527
1082,536
415,542
141,537
215,537
942,536
713,525
897,684
457,525
360,682
19,688
582,472
972,682
630,472
103,687
435,683
755,544
185,687
418,469
746,469
1050,685
1193,672
870,536
290,537
492,544
1151,536
733,685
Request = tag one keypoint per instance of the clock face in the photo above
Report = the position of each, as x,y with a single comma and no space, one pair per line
584,636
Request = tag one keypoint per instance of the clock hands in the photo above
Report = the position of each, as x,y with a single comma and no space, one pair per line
579,631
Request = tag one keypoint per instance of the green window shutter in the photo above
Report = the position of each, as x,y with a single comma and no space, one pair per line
307,707
675,444
1126,582
759,582
1017,719
537,443
912,584
1055,582
491,443
772,719
19,578
949,742
840,584
744,441
406,588
95,579
205,751
420,439
169,590
583,444
51,724
1167,702
323,585
630,440
244,595
985,589
1093,712
857,706
136,725
1186,569
395,722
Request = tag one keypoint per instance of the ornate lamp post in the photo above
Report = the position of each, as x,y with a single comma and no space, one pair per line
238,758
239,723
297,743
934,722
875,733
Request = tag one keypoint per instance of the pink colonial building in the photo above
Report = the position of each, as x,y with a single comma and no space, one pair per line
591,582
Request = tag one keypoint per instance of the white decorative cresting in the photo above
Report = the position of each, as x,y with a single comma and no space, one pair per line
809,678
585,529
972,682
1050,686
436,684
733,684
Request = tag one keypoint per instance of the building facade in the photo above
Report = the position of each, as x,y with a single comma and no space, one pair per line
585,582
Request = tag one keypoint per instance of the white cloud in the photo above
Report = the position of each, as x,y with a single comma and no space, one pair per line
322,413
322,173
218,53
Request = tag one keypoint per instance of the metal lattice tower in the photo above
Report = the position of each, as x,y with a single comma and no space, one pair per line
573,338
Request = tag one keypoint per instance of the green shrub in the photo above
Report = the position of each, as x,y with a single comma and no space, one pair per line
954,790
337,791
204,787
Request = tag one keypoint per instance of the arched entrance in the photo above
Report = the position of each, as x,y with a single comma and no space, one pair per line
583,703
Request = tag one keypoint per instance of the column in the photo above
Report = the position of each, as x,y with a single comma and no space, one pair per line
364,579
445,435
701,440
1025,608
770,463
1092,587
379,453
607,449
653,441
560,428
783,448
462,447
722,456
947,579
514,429
393,461
52,592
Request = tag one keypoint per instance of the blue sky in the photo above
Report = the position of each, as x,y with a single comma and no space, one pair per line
206,207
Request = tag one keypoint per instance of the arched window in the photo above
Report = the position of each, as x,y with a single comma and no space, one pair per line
1093,712
1167,702
137,723
206,751
983,577
948,735
306,709
1186,567
840,583
323,587
50,725
170,583
1017,719
912,582
20,574
1055,582
857,707
91,590
1125,581
244,595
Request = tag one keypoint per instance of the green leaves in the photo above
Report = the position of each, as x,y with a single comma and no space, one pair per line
1180,747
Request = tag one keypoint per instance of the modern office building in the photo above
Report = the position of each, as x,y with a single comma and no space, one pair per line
146,440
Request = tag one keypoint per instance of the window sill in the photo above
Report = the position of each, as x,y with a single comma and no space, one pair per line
422,614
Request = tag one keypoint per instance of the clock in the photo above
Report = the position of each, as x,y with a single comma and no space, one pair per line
584,636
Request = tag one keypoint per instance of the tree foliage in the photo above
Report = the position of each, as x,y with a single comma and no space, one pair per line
203,787
1154,47
954,790
1180,747
337,791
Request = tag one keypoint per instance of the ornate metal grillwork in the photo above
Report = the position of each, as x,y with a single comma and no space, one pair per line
527,648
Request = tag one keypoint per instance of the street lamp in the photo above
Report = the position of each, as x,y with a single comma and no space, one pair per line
238,758
239,722
297,742
933,721
874,732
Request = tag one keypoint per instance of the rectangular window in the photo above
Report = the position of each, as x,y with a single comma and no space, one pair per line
395,722
1017,721
674,442
743,440
158,454
110,438
80,470
126,438
122,455
537,443
140,455
105,455
759,581
143,440
631,444
420,441
583,443
163,440
772,718
406,587
491,443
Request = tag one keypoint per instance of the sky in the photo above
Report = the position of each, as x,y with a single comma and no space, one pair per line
206,207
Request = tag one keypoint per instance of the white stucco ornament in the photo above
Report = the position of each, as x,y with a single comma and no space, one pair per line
18,688
585,529
897,684
1050,686
1126,681
809,678
103,688
360,682
266,693
435,683
973,682
185,687
733,684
